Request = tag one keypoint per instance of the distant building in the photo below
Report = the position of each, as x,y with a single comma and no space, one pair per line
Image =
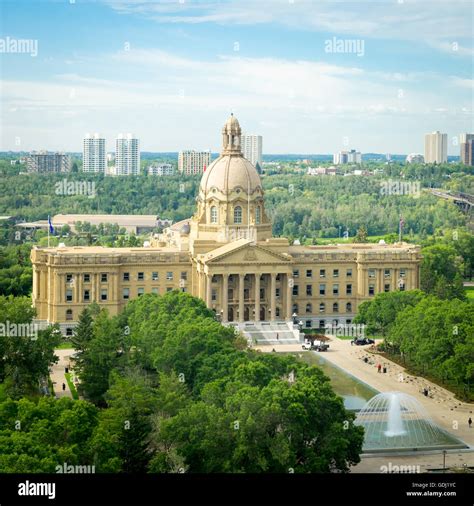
321,171
252,149
344,157
164,169
466,145
94,155
467,153
127,155
193,162
436,147
415,158
42,161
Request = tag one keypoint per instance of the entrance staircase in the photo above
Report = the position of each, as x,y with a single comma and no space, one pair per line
270,333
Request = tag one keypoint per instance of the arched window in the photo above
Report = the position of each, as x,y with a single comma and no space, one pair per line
322,307
309,308
69,314
213,214
335,307
348,307
257,215
238,215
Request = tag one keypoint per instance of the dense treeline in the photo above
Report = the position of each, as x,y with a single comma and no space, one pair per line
168,389
300,205
432,336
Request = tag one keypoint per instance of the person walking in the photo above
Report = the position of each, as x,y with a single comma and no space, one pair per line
64,387
469,422
379,368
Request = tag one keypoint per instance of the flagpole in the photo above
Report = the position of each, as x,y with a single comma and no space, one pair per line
48,231
400,230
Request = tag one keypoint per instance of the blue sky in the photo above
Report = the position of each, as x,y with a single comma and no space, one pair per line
171,72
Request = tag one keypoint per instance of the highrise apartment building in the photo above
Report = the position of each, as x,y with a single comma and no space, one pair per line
94,155
252,149
42,162
436,147
127,155
351,156
193,162
466,147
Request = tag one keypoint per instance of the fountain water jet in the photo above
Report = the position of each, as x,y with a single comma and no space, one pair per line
395,421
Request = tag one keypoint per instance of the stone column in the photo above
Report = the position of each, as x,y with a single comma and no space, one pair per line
208,281
272,296
257,297
241,297
289,293
225,292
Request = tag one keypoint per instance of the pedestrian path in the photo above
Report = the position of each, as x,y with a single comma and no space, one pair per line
58,371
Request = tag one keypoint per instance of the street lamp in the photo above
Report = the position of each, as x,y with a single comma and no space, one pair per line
444,461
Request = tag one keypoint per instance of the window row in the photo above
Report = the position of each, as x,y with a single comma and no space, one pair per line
322,308
322,273
104,294
237,215
322,289
141,276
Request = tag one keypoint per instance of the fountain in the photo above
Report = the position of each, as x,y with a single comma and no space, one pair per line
394,421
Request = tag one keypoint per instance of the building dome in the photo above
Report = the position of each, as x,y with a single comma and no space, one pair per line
231,171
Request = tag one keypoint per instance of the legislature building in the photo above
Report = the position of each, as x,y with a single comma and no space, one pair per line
226,255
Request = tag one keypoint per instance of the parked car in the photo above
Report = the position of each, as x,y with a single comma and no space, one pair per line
320,346
362,341
306,345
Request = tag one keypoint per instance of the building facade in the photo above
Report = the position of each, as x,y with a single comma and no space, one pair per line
193,162
226,255
467,149
127,155
94,154
252,149
436,147
163,169
344,157
42,162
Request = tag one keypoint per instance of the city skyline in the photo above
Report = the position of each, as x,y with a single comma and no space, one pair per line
368,74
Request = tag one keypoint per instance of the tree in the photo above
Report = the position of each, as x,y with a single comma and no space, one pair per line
361,235
82,336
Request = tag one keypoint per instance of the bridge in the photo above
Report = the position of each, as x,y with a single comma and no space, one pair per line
464,201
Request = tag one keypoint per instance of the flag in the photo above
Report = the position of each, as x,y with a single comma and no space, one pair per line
51,228
205,167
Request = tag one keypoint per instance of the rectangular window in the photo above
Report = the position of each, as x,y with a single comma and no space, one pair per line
103,294
322,324
140,291
309,289
69,332
371,273
277,292
214,295
308,324
349,289
126,293
386,273
322,289
335,273
168,289
154,276
296,273
230,294
262,293
348,321
335,289
87,295
68,278
371,289
68,295
349,273
322,273
309,273
154,290
169,276
295,289
103,277
126,276
184,275
87,278
403,273
141,276
386,287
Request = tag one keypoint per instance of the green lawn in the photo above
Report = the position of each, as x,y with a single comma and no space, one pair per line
469,293
65,345
74,393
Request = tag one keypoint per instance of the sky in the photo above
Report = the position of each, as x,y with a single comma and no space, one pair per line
309,76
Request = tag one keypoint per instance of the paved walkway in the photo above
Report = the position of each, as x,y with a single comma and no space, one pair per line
57,373
445,410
